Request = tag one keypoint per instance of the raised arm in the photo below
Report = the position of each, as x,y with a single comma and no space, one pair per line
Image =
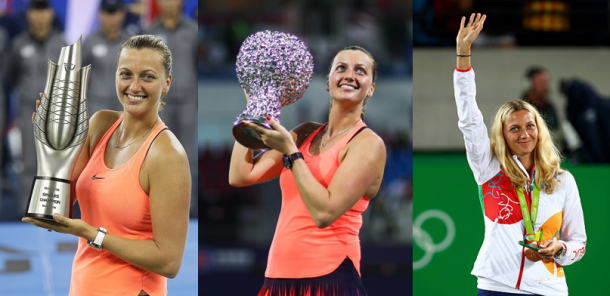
246,170
466,36
476,139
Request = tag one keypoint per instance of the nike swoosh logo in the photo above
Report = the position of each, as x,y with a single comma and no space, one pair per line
97,178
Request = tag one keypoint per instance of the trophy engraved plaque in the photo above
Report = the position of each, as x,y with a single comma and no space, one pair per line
274,69
60,130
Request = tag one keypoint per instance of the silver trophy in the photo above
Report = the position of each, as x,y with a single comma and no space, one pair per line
60,128
275,70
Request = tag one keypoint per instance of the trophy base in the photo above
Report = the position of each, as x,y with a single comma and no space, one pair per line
46,218
49,195
39,216
247,136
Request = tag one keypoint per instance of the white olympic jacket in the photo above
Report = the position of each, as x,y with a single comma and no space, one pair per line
501,259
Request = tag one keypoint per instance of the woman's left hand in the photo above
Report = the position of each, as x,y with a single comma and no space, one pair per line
278,138
64,224
549,248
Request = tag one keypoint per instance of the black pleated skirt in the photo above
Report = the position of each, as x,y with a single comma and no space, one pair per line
344,281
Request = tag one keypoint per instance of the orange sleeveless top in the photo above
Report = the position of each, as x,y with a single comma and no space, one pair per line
301,250
114,199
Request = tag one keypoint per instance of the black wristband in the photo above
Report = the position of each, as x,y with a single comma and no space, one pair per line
463,55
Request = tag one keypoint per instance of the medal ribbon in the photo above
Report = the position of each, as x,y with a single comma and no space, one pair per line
528,220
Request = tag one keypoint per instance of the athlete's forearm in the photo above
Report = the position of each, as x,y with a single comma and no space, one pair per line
242,162
463,57
315,196
574,251
163,259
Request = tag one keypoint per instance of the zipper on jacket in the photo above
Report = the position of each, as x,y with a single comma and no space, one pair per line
522,264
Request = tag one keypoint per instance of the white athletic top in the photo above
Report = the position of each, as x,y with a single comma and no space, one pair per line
501,265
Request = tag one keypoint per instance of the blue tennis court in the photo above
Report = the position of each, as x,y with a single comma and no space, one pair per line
35,262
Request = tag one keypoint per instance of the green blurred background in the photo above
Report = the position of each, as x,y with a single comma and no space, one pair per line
444,181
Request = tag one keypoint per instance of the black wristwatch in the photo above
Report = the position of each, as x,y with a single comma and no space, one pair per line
289,159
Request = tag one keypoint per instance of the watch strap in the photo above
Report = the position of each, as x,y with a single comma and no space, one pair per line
294,156
290,159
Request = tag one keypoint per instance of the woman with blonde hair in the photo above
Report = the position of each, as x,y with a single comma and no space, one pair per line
534,222
546,155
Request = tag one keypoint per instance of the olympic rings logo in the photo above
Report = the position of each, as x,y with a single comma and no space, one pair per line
423,239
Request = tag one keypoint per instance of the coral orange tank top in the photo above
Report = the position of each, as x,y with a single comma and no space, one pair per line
301,250
114,199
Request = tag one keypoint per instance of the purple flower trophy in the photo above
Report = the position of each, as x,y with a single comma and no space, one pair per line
275,70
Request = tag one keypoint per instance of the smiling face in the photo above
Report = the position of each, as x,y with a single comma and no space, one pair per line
351,76
521,133
140,80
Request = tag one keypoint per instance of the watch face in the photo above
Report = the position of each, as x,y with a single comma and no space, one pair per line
287,162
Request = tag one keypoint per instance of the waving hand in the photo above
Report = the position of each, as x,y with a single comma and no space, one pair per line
466,36
470,32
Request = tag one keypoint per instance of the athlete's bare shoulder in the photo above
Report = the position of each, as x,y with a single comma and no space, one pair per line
166,142
99,123
366,140
367,137
165,151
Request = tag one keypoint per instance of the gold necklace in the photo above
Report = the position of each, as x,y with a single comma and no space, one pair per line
340,133
116,144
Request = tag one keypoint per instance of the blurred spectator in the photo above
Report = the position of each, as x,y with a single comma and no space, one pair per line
180,113
588,113
26,74
8,23
100,50
537,93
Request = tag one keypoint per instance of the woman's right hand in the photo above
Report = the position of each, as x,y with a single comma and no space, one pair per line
469,33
